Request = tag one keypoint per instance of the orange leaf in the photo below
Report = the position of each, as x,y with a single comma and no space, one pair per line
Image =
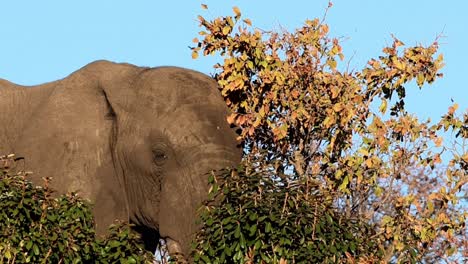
236,11
231,118
204,6
398,43
438,141
453,108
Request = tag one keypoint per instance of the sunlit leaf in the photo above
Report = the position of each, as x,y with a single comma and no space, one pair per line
236,11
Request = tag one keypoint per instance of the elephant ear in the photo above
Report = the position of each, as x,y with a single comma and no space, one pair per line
115,81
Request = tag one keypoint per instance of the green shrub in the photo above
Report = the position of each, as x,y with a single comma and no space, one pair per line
255,218
36,227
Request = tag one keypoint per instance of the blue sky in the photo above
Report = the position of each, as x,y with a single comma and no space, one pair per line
47,40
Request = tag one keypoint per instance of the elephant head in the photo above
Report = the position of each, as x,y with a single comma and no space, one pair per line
136,141
169,133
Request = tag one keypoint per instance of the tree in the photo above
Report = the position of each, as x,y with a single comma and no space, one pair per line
322,139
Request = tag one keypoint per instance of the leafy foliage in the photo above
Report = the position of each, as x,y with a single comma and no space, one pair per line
344,136
262,222
37,228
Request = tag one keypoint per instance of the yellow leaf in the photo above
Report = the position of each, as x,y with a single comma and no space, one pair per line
194,55
250,65
420,79
399,246
8,254
344,185
399,65
383,106
248,22
338,174
378,191
226,30
195,40
332,64
239,83
386,219
261,112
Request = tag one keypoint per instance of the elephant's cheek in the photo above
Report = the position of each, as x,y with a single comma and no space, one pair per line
148,197
175,212
152,207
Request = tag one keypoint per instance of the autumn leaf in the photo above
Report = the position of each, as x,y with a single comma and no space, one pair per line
231,118
397,43
383,106
226,30
236,11
453,108
438,141
465,157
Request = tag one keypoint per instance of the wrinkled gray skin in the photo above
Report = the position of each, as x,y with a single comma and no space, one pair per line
135,141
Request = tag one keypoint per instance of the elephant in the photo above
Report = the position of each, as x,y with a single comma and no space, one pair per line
136,141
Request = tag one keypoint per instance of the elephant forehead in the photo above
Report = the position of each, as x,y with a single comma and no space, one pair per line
168,87
200,117
190,126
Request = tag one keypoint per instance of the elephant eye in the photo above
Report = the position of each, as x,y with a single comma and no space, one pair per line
159,157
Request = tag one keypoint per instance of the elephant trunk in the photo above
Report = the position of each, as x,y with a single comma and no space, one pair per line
183,194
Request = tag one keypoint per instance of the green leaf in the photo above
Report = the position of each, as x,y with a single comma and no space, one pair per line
237,233
253,230
35,249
